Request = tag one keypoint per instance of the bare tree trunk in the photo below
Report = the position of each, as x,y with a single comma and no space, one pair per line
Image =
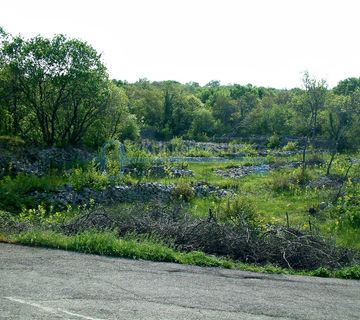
333,154
303,167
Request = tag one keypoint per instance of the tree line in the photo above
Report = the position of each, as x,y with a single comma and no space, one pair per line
57,92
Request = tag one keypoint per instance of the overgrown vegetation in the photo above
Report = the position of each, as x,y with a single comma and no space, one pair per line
106,243
271,180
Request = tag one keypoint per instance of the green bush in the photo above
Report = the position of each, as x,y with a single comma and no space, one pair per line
238,210
24,183
290,146
137,159
194,152
176,144
321,272
248,149
183,190
281,182
301,177
14,192
347,211
90,177
274,141
41,216
352,272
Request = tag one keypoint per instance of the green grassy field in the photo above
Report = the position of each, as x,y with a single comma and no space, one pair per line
279,196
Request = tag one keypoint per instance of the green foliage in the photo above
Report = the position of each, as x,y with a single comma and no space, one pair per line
176,144
89,177
352,272
290,146
322,272
56,91
347,86
301,177
248,149
289,181
138,159
201,259
11,141
274,141
61,82
196,152
23,183
281,182
41,216
116,122
238,210
183,190
203,125
346,210
106,243
14,192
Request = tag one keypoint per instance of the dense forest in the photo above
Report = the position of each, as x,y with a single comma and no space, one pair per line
57,92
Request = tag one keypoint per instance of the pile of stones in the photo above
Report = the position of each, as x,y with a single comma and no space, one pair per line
241,171
143,192
35,161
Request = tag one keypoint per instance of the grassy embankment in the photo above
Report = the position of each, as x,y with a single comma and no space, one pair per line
106,243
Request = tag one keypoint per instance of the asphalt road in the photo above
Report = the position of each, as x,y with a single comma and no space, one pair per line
39,283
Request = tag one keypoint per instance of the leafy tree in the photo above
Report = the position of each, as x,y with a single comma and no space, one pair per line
116,122
313,101
146,102
11,97
347,86
315,94
203,124
62,82
184,107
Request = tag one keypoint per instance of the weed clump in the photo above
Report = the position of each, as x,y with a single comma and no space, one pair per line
239,211
183,191
89,177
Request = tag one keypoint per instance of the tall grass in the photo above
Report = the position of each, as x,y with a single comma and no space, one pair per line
106,243
14,191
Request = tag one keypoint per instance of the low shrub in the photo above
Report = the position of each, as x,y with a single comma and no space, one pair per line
273,141
238,210
290,146
24,183
346,211
89,177
248,149
281,182
194,152
42,216
176,144
351,272
285,181
15,192
183,190
137,159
